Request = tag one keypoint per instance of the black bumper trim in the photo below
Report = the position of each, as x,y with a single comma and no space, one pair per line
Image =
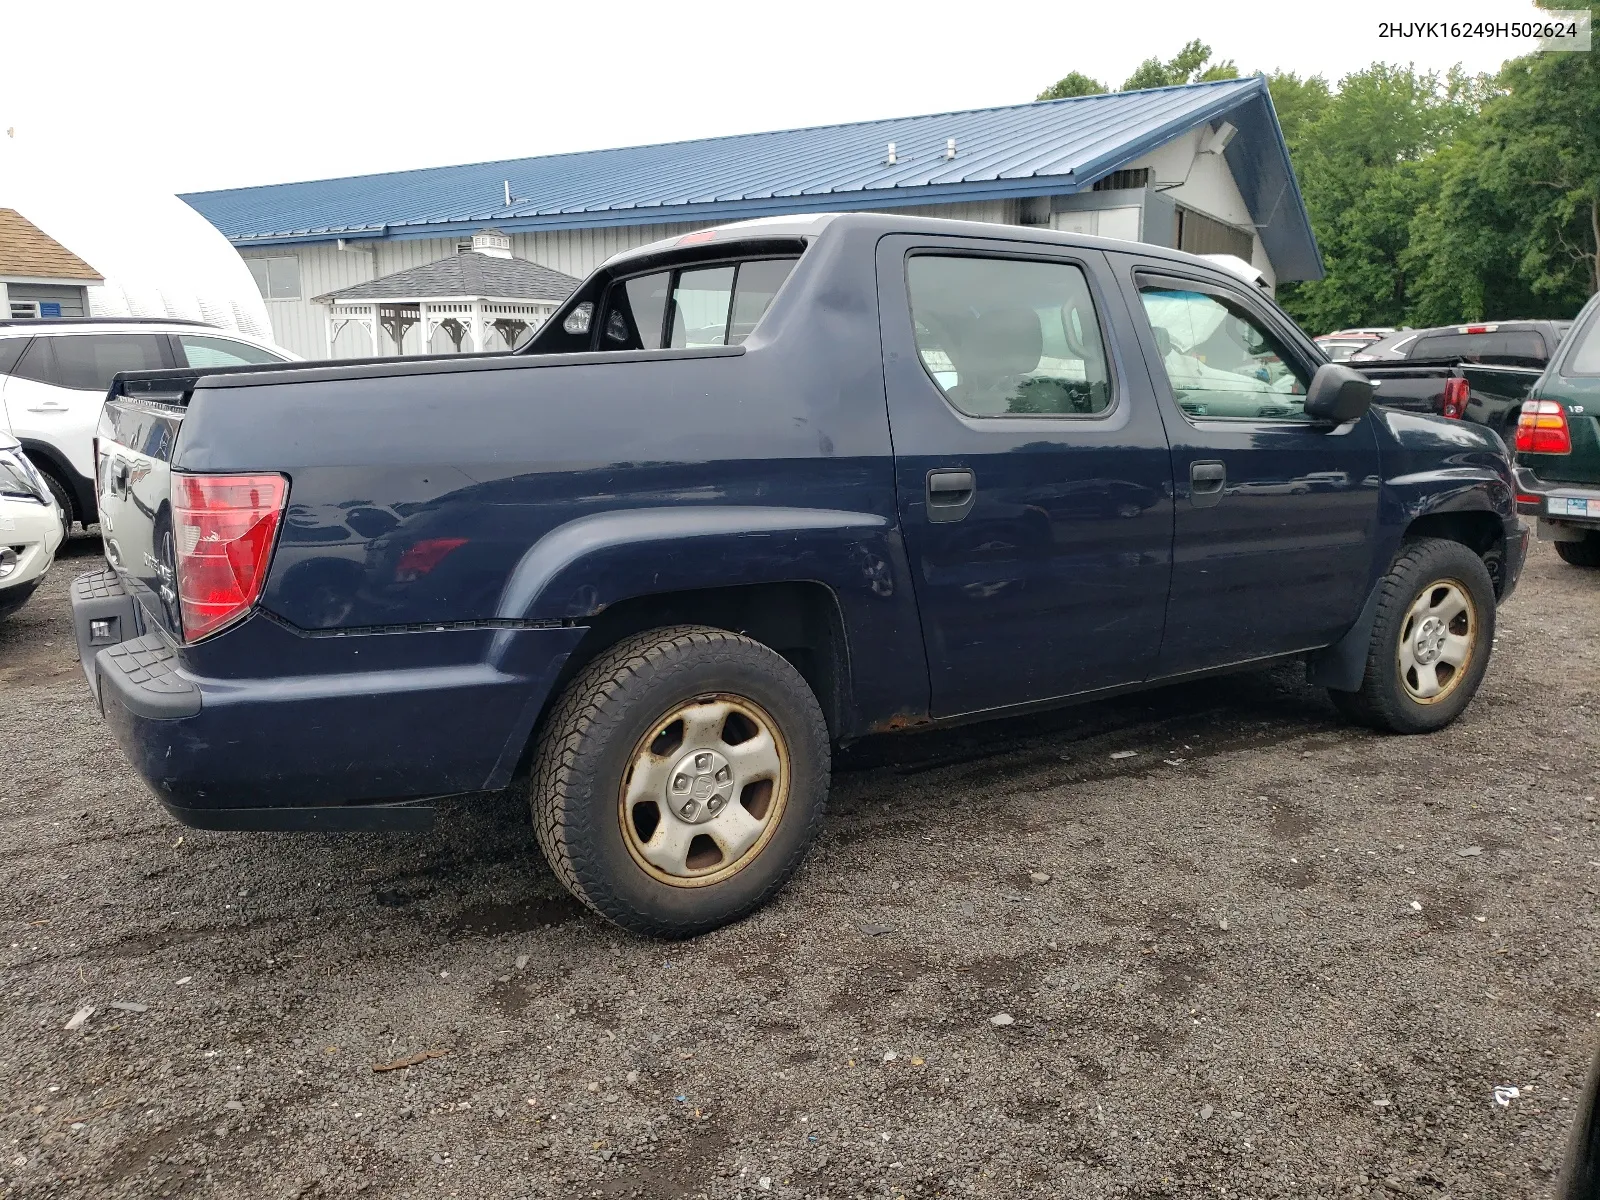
352,818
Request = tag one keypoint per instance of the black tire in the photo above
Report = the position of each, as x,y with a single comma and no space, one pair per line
1581,554
63,495
604,722
1385,700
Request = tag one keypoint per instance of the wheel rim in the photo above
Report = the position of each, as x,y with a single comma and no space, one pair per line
705,790
1436,641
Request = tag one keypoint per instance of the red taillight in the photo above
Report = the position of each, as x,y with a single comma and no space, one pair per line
1542,428
224,527
1478,329
1456,394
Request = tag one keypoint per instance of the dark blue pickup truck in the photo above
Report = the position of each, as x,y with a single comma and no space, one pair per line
751,493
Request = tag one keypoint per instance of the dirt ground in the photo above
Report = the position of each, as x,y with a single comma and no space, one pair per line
1274,956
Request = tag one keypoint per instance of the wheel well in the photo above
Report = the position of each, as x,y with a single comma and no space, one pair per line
49,464
1481,532
800,620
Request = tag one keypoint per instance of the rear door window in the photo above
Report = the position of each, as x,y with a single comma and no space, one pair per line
1516,348
199,351
714,305
1009,337
87,362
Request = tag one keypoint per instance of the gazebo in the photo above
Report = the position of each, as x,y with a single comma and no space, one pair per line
468,296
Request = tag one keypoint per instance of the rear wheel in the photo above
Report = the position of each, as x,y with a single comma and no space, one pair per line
1581,554
680,780
1430,640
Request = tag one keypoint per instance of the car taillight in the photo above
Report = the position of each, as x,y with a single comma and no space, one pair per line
1456,394
1542,428
224,527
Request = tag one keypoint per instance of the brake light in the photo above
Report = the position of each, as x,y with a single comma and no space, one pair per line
1542,428
1456,394
224,530
1479,329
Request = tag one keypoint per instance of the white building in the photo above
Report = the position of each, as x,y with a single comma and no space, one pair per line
1201,167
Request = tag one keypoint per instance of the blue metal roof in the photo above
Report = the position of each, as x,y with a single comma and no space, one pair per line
1054,147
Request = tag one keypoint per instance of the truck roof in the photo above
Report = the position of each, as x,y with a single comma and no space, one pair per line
814,225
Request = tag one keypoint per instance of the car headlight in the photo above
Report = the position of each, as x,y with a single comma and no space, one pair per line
19,477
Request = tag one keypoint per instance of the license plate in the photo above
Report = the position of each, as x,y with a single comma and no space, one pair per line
1567,506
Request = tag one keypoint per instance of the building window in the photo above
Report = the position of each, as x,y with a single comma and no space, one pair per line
276,278
1134,177
1200,234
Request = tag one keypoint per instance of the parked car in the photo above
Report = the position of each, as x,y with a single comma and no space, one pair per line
53,378
1479,373
31,526
1339,347
908,472
1558,445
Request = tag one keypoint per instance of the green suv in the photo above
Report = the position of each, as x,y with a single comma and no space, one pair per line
1558,445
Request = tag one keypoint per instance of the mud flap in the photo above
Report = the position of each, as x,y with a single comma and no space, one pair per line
1343,665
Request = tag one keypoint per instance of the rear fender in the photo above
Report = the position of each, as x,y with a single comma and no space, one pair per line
581,568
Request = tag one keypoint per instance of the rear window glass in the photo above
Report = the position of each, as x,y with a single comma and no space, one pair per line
1513,348
10,350
714,305
1585,359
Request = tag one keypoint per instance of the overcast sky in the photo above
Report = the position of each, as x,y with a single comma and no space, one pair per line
226,94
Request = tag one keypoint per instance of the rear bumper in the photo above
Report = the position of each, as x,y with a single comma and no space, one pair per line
268,728
1570,508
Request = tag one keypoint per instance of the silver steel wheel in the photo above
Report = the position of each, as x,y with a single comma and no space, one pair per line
1436,641
705,791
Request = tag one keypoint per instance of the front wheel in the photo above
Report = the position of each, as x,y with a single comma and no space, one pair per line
680,780
1581,554
1430,640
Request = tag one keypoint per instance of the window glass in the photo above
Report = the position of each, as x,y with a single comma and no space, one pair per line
38,361
283,278
87,362
1219,359
759,281
1512,348
222,352
635,312
1004,337
1585,358
258,271
10,350
700,305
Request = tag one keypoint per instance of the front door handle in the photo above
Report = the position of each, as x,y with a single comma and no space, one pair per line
951,494
48,407
1207,478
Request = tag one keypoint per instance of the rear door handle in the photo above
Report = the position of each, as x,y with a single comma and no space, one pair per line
47,408
1207,478
951,494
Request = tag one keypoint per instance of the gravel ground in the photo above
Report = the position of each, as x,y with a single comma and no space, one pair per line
1263,955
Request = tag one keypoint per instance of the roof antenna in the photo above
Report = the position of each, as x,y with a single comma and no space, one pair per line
892,158
508,193
949,147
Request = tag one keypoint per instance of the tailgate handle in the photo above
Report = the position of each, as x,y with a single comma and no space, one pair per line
951,494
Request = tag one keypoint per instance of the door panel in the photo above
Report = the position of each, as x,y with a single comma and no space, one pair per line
1032,471
1274,517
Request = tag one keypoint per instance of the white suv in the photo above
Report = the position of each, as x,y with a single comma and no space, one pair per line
30,526
54,374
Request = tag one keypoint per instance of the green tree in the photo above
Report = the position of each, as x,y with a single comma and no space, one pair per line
1073,83
1541,153
1192,64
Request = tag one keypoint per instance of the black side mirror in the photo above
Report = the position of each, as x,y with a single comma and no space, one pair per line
1338,394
